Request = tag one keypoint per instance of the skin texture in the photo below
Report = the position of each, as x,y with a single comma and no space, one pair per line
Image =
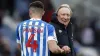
54,47
63,16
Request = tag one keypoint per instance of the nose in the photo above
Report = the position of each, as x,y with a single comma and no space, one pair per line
66,18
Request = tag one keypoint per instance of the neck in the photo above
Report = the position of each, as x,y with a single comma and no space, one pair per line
36,17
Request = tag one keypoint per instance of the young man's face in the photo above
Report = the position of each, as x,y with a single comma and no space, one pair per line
63,15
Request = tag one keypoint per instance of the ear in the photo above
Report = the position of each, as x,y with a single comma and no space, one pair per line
43,12
30,12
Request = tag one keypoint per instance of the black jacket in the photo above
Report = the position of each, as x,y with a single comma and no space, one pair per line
64,36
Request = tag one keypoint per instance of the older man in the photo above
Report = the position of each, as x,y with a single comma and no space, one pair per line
63,29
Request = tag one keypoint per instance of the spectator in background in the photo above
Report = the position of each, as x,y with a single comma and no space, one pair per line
48,10
4,46
87,34
23,13
63,27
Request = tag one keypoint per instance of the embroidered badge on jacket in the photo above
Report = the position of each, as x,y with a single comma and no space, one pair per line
60,31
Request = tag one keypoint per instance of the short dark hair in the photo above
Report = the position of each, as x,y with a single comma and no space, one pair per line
37,4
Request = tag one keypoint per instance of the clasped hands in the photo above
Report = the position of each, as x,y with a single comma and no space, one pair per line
64,49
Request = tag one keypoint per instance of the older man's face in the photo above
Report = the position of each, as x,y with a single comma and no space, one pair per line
64,16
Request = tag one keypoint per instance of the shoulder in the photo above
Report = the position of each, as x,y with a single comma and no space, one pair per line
21,23
50,25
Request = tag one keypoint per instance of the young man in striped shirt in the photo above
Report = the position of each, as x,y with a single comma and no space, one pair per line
36,37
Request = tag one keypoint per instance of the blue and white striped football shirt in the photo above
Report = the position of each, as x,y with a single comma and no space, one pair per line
33,35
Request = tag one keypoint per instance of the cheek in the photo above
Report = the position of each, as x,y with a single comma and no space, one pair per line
69,17
59,17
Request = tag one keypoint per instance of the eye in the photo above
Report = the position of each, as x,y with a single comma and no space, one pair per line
68,14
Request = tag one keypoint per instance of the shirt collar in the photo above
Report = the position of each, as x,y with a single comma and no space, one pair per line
35,19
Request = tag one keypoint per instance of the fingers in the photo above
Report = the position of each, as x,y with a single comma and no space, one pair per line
66,49
60,50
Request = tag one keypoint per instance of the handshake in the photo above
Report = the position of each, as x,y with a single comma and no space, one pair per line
54,48
64,49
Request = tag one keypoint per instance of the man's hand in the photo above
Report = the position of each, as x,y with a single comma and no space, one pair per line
66,49
57,49
54,48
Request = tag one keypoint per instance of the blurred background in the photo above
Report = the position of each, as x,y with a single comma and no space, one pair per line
85,18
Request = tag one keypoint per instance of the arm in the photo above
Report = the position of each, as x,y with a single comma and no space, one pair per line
52,41
53,47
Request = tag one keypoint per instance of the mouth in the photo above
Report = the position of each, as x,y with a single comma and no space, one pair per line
65,20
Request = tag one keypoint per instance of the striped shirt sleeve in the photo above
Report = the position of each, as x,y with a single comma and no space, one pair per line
51,33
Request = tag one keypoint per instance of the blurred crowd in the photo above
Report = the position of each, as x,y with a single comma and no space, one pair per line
86,29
